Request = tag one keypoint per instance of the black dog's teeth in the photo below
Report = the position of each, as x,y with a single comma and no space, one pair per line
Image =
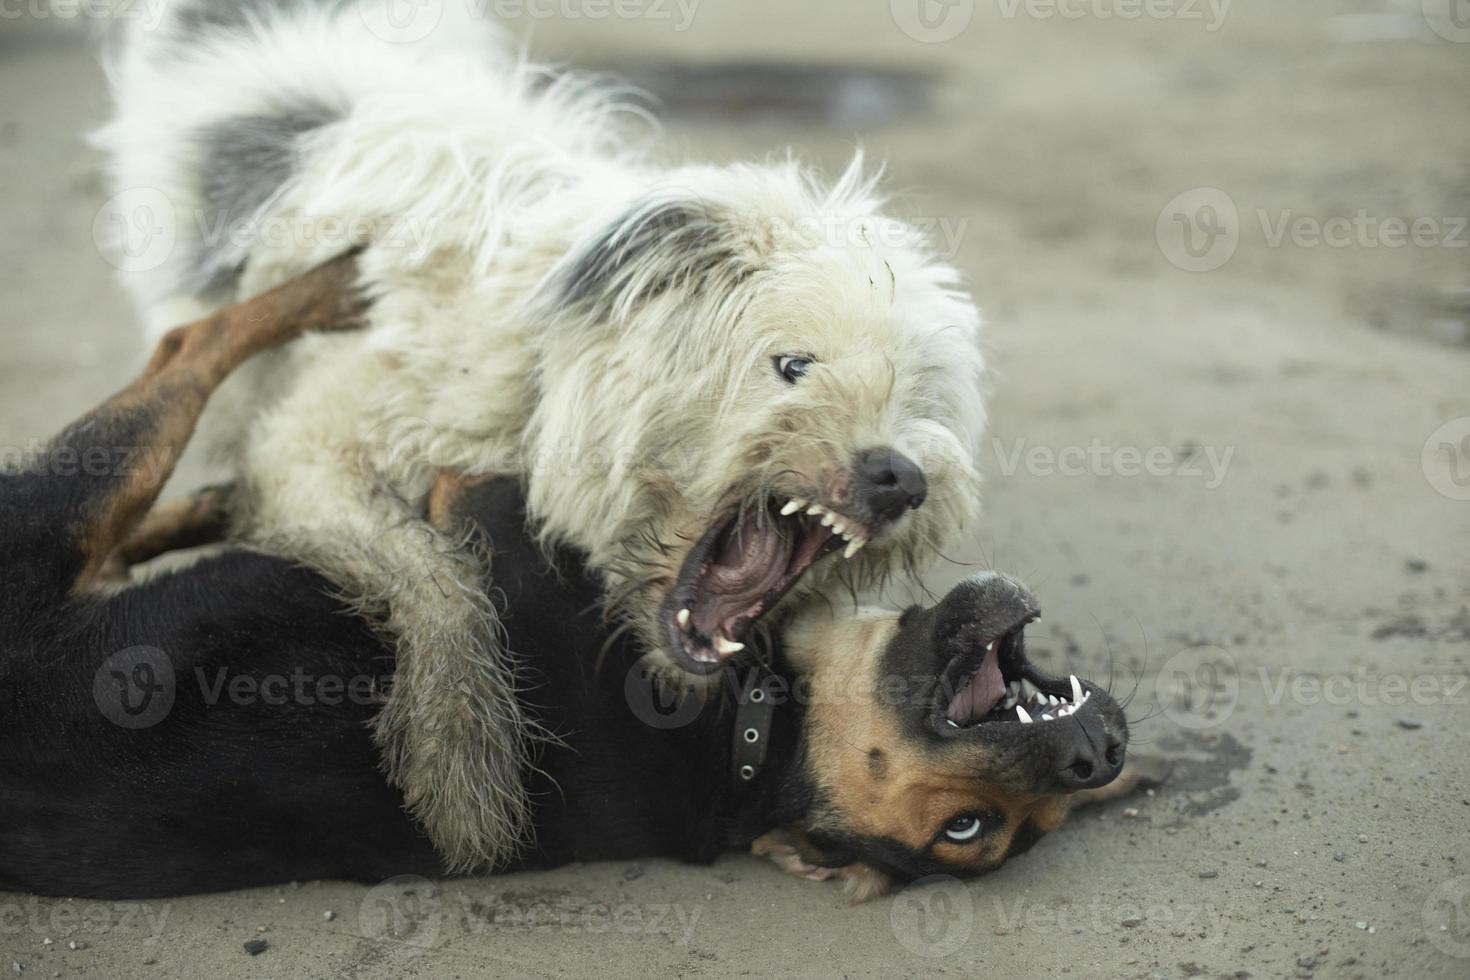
1031,704
1044,707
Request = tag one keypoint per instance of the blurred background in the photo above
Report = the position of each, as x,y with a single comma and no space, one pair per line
1223,253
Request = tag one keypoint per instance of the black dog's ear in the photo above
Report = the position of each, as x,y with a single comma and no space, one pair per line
660,243
791,850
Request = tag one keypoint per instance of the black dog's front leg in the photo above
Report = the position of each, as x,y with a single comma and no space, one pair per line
65,513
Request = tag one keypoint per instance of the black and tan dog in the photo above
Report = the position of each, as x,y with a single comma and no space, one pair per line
209,728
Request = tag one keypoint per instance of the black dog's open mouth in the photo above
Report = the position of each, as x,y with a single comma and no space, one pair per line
989,680
741,567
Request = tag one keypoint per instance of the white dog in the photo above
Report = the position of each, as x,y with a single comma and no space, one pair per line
709,377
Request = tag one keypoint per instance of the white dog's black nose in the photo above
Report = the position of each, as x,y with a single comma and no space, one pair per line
888,483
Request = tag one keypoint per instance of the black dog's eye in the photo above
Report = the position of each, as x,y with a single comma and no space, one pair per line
964,828
792,367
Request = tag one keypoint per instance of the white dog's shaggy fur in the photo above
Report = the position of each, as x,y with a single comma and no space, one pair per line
667,356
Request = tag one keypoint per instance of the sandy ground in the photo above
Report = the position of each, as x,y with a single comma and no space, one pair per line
1237,468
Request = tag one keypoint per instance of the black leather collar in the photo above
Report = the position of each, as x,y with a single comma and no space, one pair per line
755,712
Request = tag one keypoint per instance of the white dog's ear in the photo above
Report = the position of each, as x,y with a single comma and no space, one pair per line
659,244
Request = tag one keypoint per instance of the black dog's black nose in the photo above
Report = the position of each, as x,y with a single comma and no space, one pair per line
889,483
1096,758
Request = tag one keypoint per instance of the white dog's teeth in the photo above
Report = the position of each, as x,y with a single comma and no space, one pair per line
792,506
683,619
839,528
1047,718
727,646
828,518
1021,714
1076,690
854,547
816,509
951,723
1028,690
1015,688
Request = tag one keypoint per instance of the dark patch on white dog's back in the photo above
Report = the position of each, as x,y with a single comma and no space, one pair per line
243,162
200,18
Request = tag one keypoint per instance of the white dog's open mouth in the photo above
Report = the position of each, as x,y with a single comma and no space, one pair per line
741,567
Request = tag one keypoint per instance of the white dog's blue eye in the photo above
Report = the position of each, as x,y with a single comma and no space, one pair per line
963,829
792,367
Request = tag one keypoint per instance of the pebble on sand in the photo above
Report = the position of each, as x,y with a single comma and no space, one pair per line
256,946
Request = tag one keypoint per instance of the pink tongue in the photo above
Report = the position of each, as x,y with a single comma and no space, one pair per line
980,695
